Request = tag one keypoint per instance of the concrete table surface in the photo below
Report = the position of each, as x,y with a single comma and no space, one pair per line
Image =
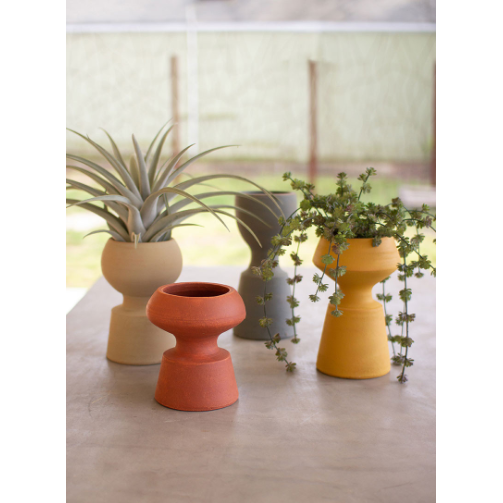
301,437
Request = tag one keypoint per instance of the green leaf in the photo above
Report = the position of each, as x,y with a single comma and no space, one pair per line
148,211
107,198
126,177
134,198
162,179
144,183
84,187
122,212
165,221
186,164
98,179
265,322
116,150
134,223
135,172
406,342
157,237
106,215
151,146
408,362
281,354
199,180
180,204
397,360
115,235
155,159
241,223
327,259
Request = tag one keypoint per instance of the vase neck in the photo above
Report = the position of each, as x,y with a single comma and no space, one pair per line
258,254
134,303
360,297
357,289
197,346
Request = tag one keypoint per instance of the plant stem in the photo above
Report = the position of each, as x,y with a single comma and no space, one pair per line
311,196
397,236
272,257
385,318
361,190
336,277
293,295
324,270
406,319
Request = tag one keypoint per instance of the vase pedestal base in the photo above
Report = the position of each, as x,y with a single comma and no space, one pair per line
196,384
133,339
354,345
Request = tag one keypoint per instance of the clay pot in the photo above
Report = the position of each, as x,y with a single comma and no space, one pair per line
251,286
355,345
136,273
196,375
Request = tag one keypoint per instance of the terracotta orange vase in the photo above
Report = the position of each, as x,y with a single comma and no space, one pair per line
355,345
196,375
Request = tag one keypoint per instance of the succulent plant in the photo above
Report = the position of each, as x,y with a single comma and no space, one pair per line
145,202
338,217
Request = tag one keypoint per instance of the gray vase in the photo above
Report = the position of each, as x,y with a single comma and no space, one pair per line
251,286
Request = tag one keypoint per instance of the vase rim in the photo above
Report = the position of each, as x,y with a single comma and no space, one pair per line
141,242
196,289
362,239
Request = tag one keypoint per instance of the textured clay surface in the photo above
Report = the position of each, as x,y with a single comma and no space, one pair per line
355,345
196,375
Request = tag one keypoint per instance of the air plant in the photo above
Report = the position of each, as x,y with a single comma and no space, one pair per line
144,201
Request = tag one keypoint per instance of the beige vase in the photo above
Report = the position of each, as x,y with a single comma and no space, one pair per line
137,273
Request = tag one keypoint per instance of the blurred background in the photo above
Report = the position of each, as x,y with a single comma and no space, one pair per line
314,88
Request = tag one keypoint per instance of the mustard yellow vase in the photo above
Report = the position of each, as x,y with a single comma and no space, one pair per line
355,345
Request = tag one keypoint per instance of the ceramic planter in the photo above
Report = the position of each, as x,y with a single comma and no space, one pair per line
136,273
196,375
355,345
251,286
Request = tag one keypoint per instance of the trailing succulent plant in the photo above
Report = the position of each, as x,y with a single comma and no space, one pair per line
143,200
338,217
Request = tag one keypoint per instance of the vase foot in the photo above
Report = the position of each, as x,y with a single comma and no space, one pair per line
134,340
353,377
207,384
354,345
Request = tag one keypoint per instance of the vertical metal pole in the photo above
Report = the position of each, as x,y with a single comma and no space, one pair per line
174,104
313,132
192,79
433,168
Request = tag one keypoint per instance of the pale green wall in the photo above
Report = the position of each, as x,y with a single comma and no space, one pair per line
374,91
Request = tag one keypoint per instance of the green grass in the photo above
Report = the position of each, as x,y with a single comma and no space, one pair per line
83,258
213,244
